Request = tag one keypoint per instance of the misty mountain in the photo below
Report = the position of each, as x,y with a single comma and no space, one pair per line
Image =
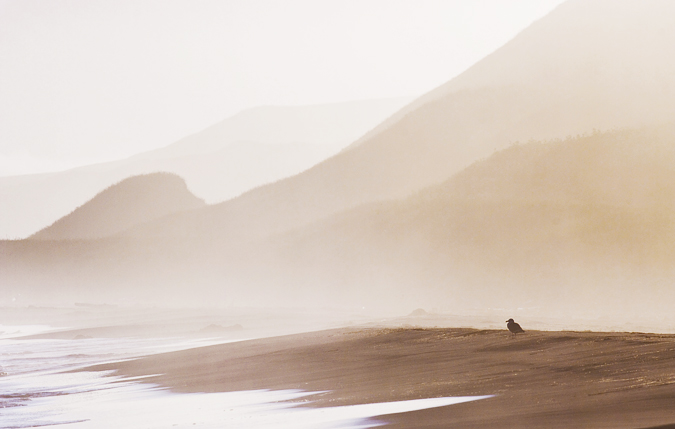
595,64
464,198
587,65
257,146
131,202
581,226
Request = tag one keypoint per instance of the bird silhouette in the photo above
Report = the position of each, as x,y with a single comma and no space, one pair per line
514,328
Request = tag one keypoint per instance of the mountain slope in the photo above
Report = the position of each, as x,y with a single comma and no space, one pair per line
131,202
573,71
581,227
577,225
322,125
257,146
585,53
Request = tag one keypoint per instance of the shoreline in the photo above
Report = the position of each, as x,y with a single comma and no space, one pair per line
541,378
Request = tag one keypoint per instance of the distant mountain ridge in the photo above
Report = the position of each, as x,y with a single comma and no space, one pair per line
582,226
558,226
128,203
252,148
327,124
561,76
446,204
582,55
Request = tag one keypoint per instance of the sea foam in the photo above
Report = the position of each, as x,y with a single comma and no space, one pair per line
43,387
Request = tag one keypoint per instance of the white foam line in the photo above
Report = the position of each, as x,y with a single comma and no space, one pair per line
135,406
359,416
46,395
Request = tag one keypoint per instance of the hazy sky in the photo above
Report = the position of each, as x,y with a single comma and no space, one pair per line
87,80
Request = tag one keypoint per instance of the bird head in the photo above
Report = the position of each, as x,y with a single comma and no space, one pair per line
510,320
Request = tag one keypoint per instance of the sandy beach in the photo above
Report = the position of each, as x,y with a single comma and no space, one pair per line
539,379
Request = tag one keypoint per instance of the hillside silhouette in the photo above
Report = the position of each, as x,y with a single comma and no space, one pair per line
254,147
131,202
585,66
578,226
540,177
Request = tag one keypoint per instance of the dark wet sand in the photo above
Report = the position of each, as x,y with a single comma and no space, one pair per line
540,379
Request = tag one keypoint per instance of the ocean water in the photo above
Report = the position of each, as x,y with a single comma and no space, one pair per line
39,388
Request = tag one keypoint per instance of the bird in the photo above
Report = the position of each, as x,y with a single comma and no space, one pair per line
514,328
